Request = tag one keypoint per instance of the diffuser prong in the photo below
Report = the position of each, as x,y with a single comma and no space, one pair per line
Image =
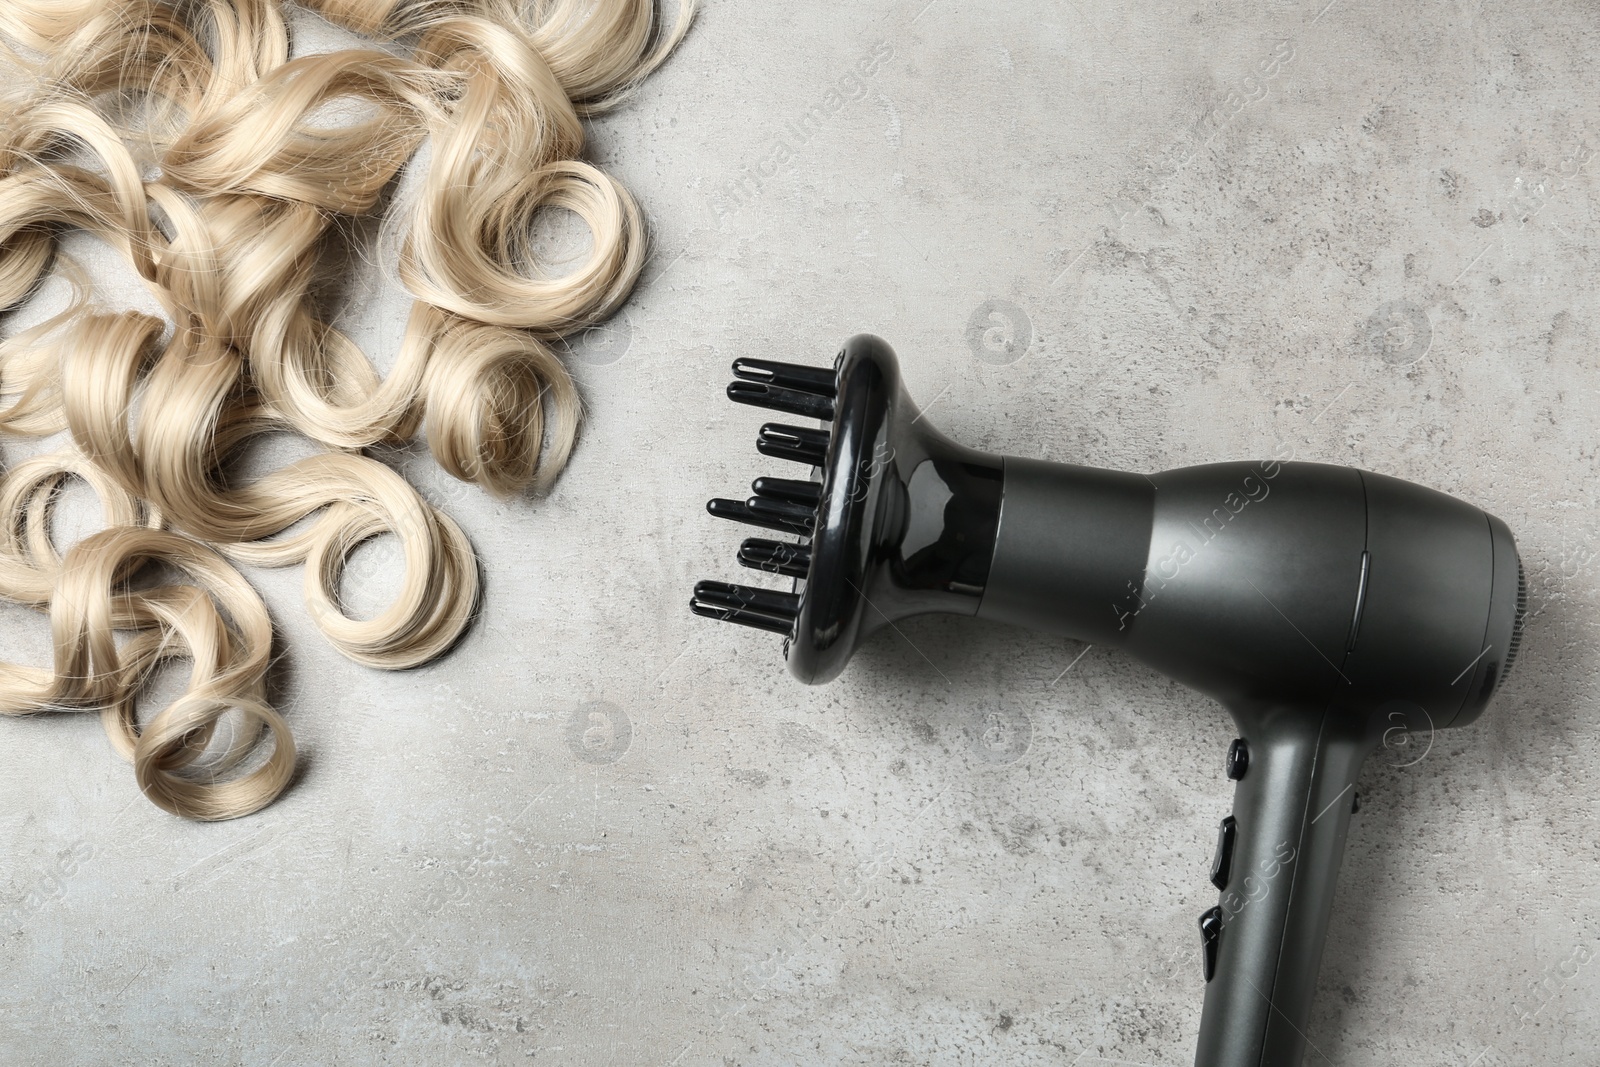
743,618
740,511
764,609
795,492
776,557
777,398
793,443
816,380
800,517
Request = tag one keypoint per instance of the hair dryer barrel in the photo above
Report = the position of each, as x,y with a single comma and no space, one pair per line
1275,581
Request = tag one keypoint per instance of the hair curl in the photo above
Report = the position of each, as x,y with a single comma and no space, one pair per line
182,134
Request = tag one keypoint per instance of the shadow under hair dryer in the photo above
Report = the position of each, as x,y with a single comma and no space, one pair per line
1325,607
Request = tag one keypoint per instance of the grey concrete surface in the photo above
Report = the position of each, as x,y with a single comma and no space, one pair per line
605,832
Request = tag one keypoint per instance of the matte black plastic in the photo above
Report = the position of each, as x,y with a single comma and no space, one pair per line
1508,609
1106,515
1427,613
1250,583
1312,601
1291,831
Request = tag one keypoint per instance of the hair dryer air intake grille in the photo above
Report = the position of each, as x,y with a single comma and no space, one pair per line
1517,627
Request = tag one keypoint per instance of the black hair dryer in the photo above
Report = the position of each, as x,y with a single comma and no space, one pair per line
1325,607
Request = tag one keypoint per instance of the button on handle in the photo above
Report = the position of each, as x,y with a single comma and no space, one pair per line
1210,934
1293,811
1222,862
1238,758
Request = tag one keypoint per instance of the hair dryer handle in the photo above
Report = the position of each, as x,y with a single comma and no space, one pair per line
1277,862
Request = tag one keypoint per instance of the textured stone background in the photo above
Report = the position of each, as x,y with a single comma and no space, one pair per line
605,832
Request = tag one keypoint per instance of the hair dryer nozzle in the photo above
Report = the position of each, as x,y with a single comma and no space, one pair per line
895,520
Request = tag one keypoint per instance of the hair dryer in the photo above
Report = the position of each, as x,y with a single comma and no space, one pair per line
1325,607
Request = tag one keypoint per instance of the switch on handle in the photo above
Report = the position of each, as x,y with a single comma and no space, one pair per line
1277,860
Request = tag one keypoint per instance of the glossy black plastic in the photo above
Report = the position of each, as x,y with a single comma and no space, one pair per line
793,443
741,511
793,401
795,492
1210,936
762,609
1222,859
797,518
817,380
776,557
1238,762
906,522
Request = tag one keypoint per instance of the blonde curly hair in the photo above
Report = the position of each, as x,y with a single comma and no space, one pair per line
182,134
